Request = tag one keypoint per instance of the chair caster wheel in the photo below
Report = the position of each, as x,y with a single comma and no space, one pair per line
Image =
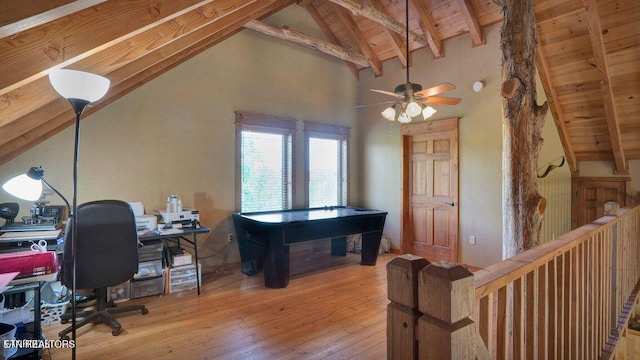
64,321
144,311
116,332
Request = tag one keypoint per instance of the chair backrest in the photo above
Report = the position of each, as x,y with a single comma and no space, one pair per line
106,249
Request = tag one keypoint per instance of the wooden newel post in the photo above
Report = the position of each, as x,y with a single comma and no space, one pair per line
402,312
446,298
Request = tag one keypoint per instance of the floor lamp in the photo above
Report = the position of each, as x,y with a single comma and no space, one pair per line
80,88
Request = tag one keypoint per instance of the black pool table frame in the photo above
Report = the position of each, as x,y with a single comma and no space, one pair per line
264,237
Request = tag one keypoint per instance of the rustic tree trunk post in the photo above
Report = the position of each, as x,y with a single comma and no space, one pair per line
446,298
522,126
402,312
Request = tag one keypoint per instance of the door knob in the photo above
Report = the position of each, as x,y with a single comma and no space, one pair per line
451,203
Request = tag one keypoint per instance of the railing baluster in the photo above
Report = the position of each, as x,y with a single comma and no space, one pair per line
566,299
542,305
503,320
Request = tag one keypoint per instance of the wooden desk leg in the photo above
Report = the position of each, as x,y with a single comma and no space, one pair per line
339,246
370,246
276,262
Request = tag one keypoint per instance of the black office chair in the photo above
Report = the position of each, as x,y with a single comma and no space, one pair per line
106,254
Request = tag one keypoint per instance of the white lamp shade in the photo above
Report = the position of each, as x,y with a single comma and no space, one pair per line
428,112
24,187
74,84
389,113
404,118
413,109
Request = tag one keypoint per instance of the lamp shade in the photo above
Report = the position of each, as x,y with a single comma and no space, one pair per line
74,84
389,113
428,112
413,109
404,118
24,187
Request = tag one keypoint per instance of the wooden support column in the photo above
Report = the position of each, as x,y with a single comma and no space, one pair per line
522,125
402,312
446,298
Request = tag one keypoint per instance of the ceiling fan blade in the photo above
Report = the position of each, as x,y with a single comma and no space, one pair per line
380,103
399,96
435,90
441,100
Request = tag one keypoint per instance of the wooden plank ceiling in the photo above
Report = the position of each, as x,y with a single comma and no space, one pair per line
589,54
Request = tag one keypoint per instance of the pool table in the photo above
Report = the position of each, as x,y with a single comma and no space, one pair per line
264,237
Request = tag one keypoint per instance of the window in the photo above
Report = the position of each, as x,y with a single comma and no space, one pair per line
264,160
327,158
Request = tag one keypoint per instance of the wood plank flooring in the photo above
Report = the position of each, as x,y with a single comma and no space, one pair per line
333,308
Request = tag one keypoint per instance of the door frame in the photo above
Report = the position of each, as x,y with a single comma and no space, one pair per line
428,127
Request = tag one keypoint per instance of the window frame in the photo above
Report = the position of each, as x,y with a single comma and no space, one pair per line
246,121
333,132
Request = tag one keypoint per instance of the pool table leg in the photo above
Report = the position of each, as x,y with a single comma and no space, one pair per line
370,246
276,263
339,246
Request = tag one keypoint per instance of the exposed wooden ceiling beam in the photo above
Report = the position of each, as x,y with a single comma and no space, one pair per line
326,30
398,44
106,58
466,7
600,55
86,32
285,33
34,127
304,3
355,32
429,29
369,12
40,16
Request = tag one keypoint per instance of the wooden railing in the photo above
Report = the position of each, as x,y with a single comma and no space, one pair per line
567,299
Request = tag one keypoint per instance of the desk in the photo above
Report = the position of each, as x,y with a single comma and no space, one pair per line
265,237
177,237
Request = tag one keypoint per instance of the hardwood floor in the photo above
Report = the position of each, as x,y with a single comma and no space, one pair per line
333,308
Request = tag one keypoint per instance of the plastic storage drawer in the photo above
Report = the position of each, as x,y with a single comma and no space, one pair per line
147,287
149,269
183,278
150,251
119,292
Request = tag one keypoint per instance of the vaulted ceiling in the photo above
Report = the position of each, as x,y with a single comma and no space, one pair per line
589,54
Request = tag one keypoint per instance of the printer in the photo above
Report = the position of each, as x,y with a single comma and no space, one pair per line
146,222
143,222
184,217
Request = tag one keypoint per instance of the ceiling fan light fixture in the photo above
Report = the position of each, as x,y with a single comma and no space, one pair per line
413,109
389,113
428,112
404,118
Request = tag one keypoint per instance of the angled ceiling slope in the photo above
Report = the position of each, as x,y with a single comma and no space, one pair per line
589,54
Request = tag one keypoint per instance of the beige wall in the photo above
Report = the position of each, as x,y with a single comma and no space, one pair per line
176,134
480,141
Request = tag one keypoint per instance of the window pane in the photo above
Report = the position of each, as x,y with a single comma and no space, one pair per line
265,171
325,172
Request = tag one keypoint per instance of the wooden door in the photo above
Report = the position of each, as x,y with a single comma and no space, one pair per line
590,194
430,189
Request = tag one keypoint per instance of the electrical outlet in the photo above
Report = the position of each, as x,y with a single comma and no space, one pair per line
472,240
229,238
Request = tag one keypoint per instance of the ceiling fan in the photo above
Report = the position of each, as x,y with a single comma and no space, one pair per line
410,99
